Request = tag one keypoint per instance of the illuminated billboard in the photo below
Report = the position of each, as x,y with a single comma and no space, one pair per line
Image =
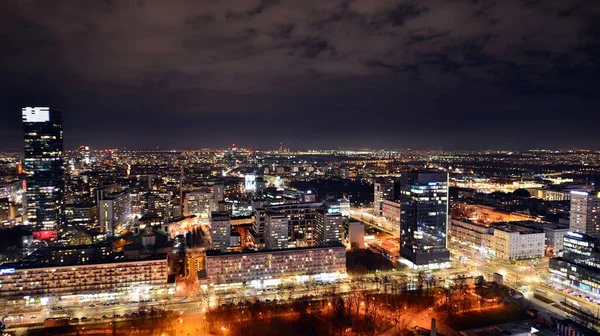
250,183
45,235
36,114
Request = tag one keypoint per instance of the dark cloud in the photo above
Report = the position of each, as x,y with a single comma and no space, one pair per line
189,73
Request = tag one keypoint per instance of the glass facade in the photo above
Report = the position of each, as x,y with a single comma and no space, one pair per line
424,217
44,166
580,264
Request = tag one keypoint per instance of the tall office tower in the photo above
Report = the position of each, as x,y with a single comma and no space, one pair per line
328,226
258,225
44,167
220,231
424,217
199,203
382,191
276,230
585,213
218,192
114,211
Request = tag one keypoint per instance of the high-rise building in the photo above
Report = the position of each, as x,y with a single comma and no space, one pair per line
424,217
382,191
220,231
218,192
114,211
585,213
44,166
328,227
258,225
276,230
199,203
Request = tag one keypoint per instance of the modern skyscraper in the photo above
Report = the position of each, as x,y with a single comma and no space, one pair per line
382,191
44,166
585,213
423,219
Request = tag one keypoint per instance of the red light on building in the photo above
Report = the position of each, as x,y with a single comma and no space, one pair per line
45,235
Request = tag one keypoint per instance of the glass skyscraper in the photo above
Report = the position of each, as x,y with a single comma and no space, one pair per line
423,219
44,167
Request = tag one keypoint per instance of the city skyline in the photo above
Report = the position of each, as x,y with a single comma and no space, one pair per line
470,75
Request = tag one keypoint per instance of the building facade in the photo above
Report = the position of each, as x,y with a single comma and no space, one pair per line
423,219
328,227
391,211
585,213
382,191
276,230
114,212
579,265
513,242
43,163
199,203
554,239
502,241
271,268
220,231
19,281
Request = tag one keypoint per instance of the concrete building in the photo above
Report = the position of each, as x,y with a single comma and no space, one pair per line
276,230
85,215
476,236
585,213
199,203
220,231
76,273
356,234
391,211
553,195
274,267
218,192
502,240
382,191
114,211
512,242
302,217
258,225
328,227
554,239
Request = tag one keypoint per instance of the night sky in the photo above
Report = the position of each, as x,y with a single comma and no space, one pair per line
314,74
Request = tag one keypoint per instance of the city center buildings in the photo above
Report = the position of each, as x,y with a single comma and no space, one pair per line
424,217
43,163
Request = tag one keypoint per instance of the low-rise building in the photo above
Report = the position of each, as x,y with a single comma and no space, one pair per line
579,265
554,239
70,271
273,267
502,240
391,211
477,236
513,242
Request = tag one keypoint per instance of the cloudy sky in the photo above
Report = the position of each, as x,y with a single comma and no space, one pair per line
314,74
